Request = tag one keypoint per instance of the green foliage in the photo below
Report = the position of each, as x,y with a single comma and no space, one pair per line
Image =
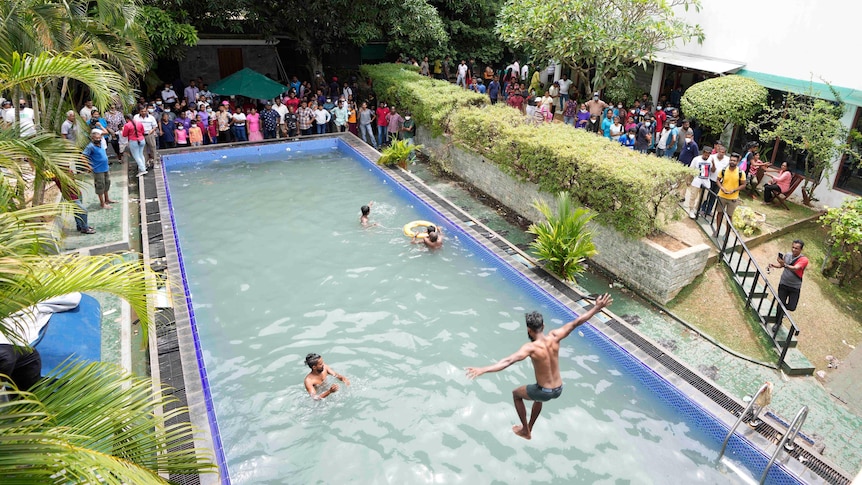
844,242
430,101
397,153
607,37
167,36
746,220
563,240
811,125
721,100
622,89
93,424
631,192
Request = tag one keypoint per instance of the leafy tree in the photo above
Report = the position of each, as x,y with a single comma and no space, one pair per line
727,100
322,27
599,40
471,22
813,126
167,36
844,243
563,240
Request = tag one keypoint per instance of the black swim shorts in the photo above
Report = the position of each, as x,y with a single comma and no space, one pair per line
542,394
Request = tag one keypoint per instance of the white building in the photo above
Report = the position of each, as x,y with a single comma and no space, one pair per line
785,45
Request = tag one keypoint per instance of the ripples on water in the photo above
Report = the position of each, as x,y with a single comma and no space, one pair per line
279,266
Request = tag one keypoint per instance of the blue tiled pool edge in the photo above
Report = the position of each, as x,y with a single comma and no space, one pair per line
670,393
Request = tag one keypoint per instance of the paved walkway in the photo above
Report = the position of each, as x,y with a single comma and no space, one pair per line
830,423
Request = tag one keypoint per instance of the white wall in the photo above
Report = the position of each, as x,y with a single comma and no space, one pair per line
790,38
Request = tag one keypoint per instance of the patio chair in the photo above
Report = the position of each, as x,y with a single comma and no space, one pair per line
781,198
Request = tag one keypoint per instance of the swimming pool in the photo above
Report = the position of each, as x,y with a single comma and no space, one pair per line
278,266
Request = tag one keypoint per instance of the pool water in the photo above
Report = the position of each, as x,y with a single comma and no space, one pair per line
278,266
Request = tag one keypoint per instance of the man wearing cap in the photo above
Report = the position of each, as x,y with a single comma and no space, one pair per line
596,105
98,159
69,128
271,120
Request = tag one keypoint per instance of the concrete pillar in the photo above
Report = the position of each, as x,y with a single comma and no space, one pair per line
558,70
655,86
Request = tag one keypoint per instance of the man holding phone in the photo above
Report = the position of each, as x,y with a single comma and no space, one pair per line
790,285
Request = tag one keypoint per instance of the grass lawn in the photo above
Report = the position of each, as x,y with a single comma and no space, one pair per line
712,304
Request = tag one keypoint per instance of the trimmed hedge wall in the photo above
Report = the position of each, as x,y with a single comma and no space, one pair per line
631,192
430,101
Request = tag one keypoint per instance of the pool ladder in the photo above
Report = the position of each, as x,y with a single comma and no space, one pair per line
786,441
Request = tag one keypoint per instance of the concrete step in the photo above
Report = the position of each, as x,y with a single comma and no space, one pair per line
796,364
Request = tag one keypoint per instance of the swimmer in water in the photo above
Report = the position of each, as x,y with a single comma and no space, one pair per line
317,377
544,351
434,239
366,211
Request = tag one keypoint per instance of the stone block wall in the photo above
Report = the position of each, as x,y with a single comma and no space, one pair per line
642,264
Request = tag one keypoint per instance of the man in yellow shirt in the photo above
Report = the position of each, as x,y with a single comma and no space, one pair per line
730,181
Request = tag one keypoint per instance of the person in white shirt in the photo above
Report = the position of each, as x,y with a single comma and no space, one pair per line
565,84
168,95
69,128
26,119
718,162
461,80
525,70
151,131
7,113
321,119
282,110
700,181
86,110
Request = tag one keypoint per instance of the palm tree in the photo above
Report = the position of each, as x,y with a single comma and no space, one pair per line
93,424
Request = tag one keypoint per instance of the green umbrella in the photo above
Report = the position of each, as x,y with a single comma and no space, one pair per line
249,83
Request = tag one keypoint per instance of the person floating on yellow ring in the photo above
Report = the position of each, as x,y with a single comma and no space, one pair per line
432,238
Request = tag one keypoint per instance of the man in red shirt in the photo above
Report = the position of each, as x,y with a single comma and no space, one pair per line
790,285
382,123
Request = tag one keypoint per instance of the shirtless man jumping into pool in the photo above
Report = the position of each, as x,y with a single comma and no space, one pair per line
317,377
544,351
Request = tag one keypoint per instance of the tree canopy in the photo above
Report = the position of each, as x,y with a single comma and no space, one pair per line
728,99
599,40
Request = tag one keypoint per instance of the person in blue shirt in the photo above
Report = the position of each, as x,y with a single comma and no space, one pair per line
607,123
167,139
629,139
689,150
494,90
98,159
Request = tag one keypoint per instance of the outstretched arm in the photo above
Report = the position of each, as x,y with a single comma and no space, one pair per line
565,330
314,395
523,353
338,376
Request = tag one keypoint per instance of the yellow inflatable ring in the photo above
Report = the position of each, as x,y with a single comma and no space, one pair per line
411,229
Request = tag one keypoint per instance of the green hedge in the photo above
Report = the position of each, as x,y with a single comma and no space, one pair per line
630,191
429,100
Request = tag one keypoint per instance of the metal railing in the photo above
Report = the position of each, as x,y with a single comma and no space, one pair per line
786,440
750,277
754,418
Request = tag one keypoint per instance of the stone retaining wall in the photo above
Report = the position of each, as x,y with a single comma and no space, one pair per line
652,269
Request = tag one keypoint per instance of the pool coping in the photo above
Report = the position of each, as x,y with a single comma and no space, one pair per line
708,396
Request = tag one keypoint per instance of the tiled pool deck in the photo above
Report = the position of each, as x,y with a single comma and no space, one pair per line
828,422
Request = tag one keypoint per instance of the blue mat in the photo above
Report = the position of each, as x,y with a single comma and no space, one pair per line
75,335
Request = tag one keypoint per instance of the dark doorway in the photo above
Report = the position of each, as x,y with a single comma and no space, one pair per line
229,60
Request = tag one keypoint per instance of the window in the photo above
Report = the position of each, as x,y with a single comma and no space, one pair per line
849,177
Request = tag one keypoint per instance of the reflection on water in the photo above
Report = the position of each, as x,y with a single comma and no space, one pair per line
279,267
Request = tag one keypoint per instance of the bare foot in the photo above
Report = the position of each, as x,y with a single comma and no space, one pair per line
105,206
520,431
111,201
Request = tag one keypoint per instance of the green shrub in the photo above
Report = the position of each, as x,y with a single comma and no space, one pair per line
630,191
430,101
721,100
562,240
844,243
746,221
397,153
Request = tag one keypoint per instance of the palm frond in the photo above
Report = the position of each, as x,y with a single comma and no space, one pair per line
93,424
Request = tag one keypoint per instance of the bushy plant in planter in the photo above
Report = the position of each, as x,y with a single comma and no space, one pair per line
563,240
746,221
397,153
